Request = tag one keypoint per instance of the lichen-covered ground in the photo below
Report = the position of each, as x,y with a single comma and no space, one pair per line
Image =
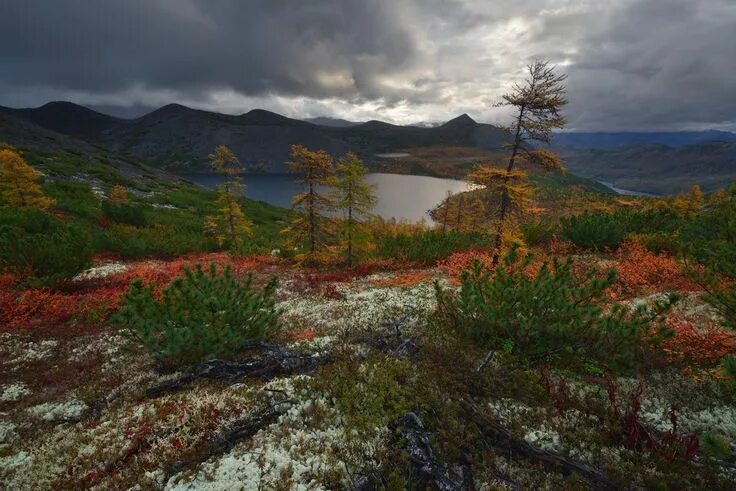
74,411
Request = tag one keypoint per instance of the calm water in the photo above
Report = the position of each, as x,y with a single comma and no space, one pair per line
399,196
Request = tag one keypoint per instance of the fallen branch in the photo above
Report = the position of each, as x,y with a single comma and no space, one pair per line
274,362
500,438
427,470
488,358
238,431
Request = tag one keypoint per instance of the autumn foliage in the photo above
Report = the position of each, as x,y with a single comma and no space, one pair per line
641,271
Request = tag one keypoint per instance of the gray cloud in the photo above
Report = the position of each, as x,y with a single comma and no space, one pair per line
636,64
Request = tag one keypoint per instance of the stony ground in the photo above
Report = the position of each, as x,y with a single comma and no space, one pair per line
74,412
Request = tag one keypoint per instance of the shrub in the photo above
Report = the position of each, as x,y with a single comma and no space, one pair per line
44,258
601,230
124,213
553,316
641,271
429,246
199,316
710,239
594,231
539,233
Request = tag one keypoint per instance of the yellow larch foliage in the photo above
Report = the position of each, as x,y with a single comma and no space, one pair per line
19,182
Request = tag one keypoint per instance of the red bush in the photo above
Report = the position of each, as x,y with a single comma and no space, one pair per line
641,271
694,347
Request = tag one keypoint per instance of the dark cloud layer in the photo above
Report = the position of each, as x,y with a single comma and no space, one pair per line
639,64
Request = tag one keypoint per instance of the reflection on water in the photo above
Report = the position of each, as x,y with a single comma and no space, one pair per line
399,196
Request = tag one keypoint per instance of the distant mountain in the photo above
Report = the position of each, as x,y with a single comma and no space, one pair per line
627,139
67,118
657,168
336,122
180,138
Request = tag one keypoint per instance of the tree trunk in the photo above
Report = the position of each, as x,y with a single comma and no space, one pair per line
311,219
350,225
505,196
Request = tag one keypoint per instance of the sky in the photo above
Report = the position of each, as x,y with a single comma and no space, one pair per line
631,64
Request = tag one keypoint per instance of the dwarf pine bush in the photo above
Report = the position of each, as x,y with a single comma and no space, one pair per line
550,316
200,316
45,258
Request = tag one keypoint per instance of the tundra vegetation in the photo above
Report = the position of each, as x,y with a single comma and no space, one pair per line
153,337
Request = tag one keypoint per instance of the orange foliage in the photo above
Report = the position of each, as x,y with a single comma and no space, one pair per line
89,302
691,346
403,280
458,262
641,271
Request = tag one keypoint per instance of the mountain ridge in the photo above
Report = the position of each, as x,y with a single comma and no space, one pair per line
175,136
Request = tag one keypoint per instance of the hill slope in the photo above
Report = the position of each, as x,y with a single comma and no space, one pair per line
657,168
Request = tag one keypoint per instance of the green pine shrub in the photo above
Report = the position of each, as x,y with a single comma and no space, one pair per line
539,233
429,246
43,257
710,240
124,213
200,316
553,317
596,231
602,230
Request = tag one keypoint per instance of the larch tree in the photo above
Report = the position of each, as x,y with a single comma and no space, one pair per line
19,181
476,214
460,212
537,103
691,203
118,195
356,199
231,224
311,228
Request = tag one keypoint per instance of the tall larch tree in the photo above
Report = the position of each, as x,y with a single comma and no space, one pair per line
537,103
19,181
311,228
356,199
231,224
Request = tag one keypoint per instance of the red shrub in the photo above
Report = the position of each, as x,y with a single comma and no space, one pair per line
641,271
692,347
458,262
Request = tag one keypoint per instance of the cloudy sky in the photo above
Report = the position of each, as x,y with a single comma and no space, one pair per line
632,64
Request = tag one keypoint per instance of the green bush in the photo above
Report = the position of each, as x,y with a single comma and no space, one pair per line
710,239
44,258
429,246
597,231
539,233
553,317
199,316
124,214
601,230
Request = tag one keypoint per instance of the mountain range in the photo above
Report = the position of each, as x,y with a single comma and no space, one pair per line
178,138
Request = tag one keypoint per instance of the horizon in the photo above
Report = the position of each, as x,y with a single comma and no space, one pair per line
310,119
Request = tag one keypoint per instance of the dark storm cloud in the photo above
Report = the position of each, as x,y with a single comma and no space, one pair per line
329,48
638,64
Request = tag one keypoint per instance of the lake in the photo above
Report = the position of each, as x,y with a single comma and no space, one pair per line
399,196
626,192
